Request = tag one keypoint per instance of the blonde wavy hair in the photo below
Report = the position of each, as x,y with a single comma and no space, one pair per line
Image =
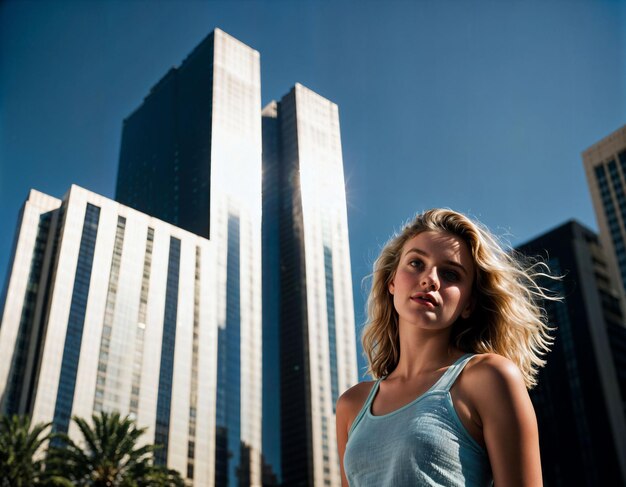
507,319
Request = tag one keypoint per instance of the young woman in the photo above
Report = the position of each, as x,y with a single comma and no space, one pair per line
454,337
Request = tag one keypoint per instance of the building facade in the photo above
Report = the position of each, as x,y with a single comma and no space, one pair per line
309,333
109,309
605,168
580,398
191,156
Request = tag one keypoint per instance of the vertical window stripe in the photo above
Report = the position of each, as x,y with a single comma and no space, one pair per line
193,390
16,383
107,323
76,321
164,400
611,212
141,325
228,470
330,311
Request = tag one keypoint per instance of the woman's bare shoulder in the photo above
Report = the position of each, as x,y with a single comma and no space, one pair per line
492,367
490,378
356,395
350,402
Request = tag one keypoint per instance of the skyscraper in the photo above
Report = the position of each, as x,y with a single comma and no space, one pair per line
605,167
191,155
579,400
110,309
309,342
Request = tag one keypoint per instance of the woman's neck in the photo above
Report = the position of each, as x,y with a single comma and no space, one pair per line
424,352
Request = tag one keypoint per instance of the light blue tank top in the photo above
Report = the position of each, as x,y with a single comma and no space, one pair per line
423,443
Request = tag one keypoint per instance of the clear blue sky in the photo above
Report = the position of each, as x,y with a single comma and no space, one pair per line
481,106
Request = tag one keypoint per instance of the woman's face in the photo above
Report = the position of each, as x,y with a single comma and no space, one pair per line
432,285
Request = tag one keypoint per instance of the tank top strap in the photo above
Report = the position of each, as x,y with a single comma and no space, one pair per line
448,378
366,406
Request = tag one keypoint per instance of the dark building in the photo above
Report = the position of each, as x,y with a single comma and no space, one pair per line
579,406
165,156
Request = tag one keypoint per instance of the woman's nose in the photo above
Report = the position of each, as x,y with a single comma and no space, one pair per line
430,280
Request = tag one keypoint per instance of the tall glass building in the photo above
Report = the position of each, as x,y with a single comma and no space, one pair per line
108,309
309,335
191,156
580,399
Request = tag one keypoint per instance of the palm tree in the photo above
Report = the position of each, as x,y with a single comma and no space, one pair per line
161,477
110,456
19,449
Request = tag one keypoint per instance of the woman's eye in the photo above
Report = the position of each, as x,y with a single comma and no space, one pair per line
416,263
452,276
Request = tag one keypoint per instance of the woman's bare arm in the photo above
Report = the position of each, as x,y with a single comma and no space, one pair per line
508,420
348,406
343,413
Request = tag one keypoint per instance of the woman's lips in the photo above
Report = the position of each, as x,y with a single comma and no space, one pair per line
424,300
